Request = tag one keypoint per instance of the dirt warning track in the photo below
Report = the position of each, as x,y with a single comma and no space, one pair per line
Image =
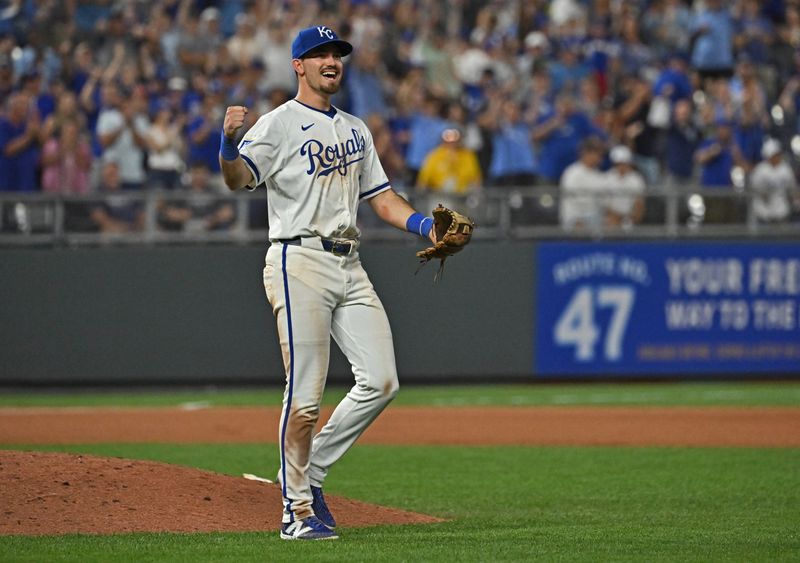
582,426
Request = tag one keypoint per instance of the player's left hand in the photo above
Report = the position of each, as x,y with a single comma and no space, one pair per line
451,232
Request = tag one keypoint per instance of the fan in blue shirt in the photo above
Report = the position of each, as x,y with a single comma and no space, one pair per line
19,147
559,134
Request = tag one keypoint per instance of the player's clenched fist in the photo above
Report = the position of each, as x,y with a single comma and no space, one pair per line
234,119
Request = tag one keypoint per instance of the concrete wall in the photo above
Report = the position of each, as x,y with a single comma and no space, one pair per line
189,314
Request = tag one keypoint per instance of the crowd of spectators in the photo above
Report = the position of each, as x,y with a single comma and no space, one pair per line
104,95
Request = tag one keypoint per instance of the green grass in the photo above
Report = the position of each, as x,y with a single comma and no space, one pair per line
666,394
503,503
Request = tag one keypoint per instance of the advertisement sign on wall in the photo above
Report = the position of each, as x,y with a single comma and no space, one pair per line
667,308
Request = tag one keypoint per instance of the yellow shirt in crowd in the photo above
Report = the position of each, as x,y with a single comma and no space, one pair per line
450,169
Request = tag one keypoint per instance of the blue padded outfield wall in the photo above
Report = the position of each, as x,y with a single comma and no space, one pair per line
504,310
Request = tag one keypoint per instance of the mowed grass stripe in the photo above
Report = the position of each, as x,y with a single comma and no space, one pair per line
660,394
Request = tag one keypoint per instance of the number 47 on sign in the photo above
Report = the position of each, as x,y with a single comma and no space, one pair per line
577,327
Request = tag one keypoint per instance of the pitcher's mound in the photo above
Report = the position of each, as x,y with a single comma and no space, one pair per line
58,493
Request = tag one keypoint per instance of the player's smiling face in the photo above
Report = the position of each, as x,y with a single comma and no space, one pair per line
322,69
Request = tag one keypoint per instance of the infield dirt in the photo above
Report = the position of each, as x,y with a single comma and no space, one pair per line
471,426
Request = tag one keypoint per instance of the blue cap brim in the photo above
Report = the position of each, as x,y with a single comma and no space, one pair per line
345,47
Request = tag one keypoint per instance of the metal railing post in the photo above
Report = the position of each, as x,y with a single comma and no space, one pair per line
150,222
750,217
504,217
242,218
671,198
59,216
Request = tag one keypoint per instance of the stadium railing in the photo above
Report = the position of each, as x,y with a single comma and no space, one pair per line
500,213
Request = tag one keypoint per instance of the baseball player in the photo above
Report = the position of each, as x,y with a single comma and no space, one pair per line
318,163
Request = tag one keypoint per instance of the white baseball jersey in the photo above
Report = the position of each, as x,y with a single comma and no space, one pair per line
317,167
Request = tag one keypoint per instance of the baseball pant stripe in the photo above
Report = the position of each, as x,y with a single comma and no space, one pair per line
291,382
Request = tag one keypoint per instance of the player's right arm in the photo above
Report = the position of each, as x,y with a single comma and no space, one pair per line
235,172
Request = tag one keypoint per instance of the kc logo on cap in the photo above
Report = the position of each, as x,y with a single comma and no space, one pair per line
313,37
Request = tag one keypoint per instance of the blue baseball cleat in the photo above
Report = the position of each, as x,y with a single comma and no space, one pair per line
307,529
321,509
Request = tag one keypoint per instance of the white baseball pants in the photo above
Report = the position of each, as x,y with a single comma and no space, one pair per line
315,295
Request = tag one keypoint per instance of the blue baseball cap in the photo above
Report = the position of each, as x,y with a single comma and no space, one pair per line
312,37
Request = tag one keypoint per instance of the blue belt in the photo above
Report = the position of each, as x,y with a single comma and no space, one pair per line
336,247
